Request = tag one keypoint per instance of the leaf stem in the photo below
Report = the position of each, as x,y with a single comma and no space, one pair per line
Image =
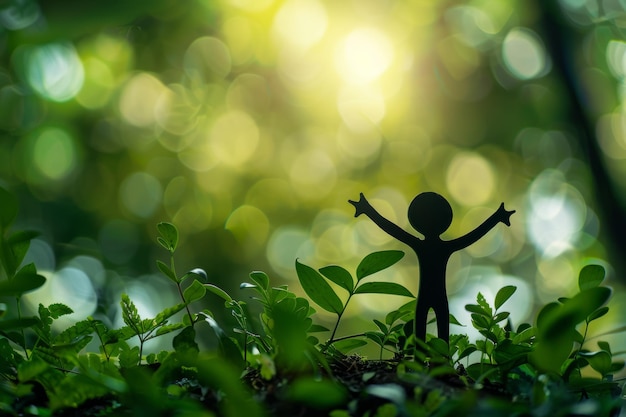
330,342
180,289
332,335
19,316
580,347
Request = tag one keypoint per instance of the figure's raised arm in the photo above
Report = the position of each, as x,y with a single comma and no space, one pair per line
501,215
364,207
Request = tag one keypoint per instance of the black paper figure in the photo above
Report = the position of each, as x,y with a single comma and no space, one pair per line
431,215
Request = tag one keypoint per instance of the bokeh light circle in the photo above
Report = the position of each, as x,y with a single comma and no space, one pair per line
55,154
141,194
54,71
524,54
556,215
139,99
470,179
234,138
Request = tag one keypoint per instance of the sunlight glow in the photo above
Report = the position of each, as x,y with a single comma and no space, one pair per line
234,138
556,276
361,109
616,57
313,174
359,146
207,57
139,98
55,71
470,179
249,225
364,55
301,23
55,154
556,216
70,286
252,5
98,85
286,244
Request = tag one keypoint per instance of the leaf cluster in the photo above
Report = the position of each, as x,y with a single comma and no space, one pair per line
273,339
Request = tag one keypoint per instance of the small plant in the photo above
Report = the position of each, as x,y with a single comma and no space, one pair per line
272,362
319,290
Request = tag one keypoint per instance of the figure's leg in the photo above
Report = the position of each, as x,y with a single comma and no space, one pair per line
442,312
421,317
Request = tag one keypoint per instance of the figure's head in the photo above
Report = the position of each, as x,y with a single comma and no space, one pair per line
430,214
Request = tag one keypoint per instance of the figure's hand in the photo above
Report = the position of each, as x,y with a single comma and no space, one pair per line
504,215
360,205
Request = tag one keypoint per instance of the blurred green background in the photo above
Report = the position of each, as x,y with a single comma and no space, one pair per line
250,123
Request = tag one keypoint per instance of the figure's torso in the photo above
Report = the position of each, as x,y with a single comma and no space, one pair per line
432,255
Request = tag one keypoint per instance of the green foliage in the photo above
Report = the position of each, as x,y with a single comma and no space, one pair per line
15,279
315,284
547,367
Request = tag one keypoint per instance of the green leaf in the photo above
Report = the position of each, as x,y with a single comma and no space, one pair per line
383,328
22,323
169,235
383,288
482,301
18,242
475,308
546,311
511,355
377,261
316,287
24,281
8,208
339,276
315,328
185,345
453,320
75,332
347,345
467,351
501,316
261,279
128,357
439,346
167,271
604,345
219,292
167,313
23,285
503,295
556,325
28,370
228,348
131,315
577,309
123,333
194,292
600,361
57,310
481,321
597,314
590,276
524,336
